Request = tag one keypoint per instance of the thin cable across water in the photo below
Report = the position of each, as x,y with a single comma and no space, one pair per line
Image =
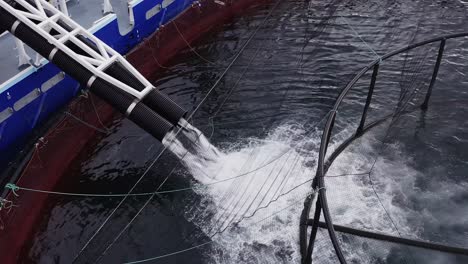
157,158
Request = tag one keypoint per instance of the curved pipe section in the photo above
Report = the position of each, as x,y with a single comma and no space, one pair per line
323,165
137,111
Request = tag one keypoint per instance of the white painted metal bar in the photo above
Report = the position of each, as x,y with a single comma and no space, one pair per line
102,60
30,15
63,7
106,64
147,90
102,49
94,62
68,35
132,70
57,27
29,7
39,7
72,54
85,47
47,20
88,35
131,15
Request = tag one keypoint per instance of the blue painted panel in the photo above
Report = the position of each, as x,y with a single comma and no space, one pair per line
143,26
175,9
15,130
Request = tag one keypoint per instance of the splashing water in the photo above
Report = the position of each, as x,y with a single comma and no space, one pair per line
242,187
195,162
200,141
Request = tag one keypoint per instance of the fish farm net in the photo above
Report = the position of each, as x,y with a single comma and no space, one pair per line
241,202
384,195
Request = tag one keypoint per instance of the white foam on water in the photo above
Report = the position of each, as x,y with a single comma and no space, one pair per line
268,169
254,218
247,184
397,209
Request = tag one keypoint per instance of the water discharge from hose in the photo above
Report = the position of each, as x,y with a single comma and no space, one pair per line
200,141
197,154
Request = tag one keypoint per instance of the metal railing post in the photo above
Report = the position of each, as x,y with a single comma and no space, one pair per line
313,232
321,186
317,185
368,100
434,74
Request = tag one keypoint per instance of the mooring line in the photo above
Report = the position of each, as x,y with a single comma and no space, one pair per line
212,241
235,58
160,154
359,36
97,114
190,46
85,123
14,188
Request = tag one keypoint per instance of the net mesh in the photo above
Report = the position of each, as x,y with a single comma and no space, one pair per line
394,180
367,186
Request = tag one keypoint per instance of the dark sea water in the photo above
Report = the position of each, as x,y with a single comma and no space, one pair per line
270,106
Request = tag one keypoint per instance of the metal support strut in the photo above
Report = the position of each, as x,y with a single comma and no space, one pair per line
306,242
91,62
368,100
434,74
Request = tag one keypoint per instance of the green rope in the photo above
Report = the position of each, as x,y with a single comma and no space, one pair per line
13,188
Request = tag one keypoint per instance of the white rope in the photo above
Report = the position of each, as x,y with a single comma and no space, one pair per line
359,36
85,123
192,114
165,147
294,203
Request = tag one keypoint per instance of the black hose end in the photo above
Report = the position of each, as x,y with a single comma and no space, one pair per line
164,106
150,121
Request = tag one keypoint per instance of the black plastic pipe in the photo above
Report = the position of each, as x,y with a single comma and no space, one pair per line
368,99
434,74
155,100
139,113
395,239
3,27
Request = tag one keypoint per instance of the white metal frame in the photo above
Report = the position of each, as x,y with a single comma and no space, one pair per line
94,61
